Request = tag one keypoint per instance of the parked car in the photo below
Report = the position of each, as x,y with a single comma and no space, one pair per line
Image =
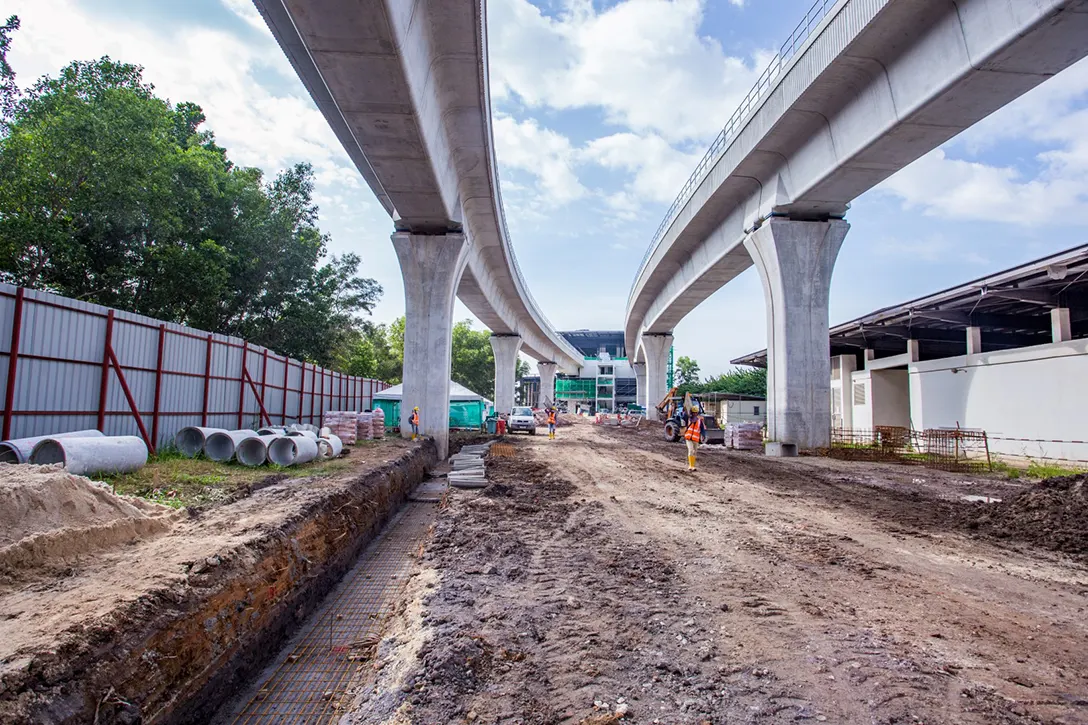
522,419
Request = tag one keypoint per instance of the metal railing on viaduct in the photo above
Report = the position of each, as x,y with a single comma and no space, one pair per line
73,365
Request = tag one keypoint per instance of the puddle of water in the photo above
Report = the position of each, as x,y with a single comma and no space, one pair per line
983,499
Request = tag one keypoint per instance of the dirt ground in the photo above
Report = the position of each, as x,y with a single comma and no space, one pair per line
58,612
596,581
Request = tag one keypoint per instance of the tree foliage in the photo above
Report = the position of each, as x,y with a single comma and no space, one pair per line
378,351
740,381
687,372
112,195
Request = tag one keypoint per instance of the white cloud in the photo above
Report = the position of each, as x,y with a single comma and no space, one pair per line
1053,189
643,62
544,154
658,169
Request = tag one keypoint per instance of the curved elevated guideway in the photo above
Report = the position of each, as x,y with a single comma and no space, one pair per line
404,84
861,89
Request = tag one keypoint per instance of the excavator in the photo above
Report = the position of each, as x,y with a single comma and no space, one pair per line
674,410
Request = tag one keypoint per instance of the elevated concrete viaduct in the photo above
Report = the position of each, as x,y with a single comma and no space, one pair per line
861,89
404,84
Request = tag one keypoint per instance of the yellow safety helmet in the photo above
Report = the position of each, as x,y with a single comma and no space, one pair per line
416,408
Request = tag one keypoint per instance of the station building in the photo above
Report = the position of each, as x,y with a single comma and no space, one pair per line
1006,354
606,383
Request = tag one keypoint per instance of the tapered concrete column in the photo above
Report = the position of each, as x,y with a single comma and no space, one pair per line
431,266
657,349
547,383
1060,328
506,348
640,383
795,260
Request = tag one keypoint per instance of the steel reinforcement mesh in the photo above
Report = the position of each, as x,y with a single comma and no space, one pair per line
308,681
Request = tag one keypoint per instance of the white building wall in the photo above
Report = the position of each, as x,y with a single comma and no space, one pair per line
890,398
859,398
1038,392
742,411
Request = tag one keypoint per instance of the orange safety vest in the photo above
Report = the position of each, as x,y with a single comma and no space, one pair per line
414,420
695,430
551,418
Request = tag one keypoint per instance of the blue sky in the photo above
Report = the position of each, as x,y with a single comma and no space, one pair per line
602,110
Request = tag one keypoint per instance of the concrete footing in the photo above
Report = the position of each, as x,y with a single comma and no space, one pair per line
795,260
777,449
431,266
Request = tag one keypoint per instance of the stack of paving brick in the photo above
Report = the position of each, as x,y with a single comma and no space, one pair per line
379,423
744,436
342,424
365,429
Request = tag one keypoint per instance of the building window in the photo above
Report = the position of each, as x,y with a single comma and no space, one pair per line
755,410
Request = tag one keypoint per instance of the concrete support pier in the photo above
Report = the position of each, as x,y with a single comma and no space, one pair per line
795,260
431,266
546,368
656,348
506,348
640,382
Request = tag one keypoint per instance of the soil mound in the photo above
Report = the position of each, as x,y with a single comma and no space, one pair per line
47,514
1052,514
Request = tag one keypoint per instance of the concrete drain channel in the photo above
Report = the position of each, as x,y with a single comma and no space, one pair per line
308,681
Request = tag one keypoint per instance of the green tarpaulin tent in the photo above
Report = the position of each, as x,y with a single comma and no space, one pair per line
467,409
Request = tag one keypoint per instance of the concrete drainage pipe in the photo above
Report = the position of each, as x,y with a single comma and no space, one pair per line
254,451
289,450
303,434
272,431
220,446
329,446
89,456
190,441
18,450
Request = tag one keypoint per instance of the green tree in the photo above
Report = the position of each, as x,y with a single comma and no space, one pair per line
9,91
749,381
473,360
523,369
110,194
687,373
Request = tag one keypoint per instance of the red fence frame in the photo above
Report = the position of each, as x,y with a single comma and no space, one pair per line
110,362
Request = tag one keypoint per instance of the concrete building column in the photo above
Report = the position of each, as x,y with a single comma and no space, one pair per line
1061,329
431,266
546,368
657,349
795,260
506,349
847,365
640,382
974,340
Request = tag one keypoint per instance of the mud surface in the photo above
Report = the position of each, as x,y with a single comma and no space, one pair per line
597,581
1052,514
160,630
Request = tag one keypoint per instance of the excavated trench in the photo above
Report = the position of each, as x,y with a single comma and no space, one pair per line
179,651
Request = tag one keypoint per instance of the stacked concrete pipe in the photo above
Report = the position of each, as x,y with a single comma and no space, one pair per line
272,431
190,441
254,451
220,446
89,456
290,450
329,446
18,450
303,433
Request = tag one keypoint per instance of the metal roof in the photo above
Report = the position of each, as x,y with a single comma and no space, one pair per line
1012,308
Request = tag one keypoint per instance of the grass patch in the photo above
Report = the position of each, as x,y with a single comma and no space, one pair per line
171,479
1041,469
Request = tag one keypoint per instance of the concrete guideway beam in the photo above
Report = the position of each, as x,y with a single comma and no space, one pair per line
546,368
640,382
795,260
656,349
506,349
431,266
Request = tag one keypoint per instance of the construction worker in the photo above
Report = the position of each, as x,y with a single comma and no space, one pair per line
413,419
551,423
693,435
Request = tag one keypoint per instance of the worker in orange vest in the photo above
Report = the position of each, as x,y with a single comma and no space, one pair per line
551,423
413,419
693,435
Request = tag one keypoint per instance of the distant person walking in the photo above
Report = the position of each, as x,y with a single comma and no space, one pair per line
551,424
413,419
693,436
